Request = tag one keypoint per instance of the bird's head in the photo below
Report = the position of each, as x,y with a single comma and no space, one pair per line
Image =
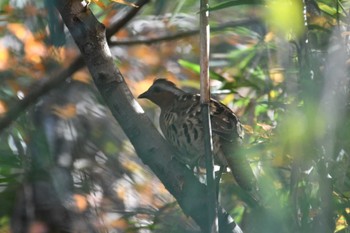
162,92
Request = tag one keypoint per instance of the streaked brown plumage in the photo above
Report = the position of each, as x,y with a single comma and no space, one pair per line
181,123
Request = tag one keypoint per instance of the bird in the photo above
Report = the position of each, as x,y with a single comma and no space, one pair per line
180,121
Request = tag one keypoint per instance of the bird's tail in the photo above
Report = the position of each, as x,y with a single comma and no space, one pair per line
240,168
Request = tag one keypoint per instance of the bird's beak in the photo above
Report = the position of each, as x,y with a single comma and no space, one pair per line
143,95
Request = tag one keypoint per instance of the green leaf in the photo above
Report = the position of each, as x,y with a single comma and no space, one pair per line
239,53
189,65
261,108
244,63
327,9
243,56
196,68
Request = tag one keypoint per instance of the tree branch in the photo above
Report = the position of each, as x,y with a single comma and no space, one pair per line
180,35
44,85
40,88
121,23
151,147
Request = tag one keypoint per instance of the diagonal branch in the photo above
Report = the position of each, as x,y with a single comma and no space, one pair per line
151,147
121,23
43,86
40,88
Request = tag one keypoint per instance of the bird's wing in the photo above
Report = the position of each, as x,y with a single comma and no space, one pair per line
187,104
224,122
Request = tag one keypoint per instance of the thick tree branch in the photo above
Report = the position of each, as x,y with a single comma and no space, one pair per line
151,147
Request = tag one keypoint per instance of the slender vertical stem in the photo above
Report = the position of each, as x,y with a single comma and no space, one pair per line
204,52
205,105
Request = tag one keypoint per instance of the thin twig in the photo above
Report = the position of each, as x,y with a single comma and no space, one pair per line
205,106
121,23
180,35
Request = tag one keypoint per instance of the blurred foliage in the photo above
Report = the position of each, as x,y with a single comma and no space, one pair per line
286,76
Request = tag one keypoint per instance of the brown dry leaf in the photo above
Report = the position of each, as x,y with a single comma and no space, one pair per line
80,202
121,191
4,57
322,21
143,85
169,76
35,50
341,224
66,112
277,75
20,31
82,76
147,192
119,223
265,127
248,129
147,54
98,3
57,53
125,3
233,40
7,9
15,86
132,166
3,108
110,15
269,36
122,34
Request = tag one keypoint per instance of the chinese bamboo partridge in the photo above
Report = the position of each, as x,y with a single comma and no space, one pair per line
181,123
